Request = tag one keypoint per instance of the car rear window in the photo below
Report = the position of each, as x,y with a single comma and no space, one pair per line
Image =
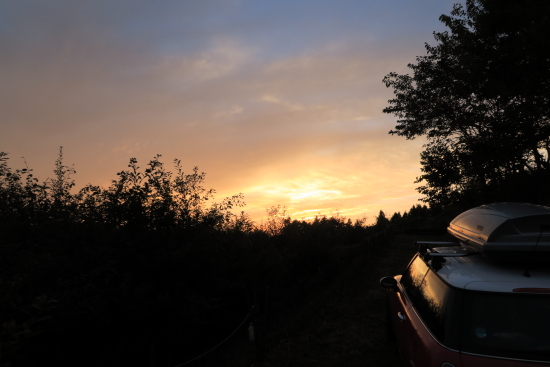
440,307
413,277
507,325
437,304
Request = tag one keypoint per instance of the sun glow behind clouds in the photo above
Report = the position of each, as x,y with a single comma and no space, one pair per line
317,194
296,192
349,190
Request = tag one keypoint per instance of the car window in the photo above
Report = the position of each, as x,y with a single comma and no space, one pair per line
507,325
412,278
439,307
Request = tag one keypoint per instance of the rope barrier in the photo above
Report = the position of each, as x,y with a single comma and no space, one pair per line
220,343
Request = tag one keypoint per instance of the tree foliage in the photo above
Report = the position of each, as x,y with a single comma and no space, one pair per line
151,199
481,99
151,266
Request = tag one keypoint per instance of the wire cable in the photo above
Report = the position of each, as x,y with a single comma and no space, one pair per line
220,343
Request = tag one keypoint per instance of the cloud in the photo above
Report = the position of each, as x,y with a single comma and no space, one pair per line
223,57
279,101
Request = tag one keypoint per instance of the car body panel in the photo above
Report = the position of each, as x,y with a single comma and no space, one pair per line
427,350
482,301
398,305
419,347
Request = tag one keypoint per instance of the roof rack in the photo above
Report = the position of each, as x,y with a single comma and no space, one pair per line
435,256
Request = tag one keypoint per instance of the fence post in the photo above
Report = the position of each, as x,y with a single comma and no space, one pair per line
339,269
152,358
368,245
319,278
265,322
257,328
260,327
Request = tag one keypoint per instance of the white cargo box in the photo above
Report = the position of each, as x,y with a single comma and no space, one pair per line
506,231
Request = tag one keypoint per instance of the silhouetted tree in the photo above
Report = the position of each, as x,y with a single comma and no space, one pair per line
481,98
381,221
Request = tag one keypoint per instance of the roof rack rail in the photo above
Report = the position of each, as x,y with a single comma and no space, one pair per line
435,258
424,246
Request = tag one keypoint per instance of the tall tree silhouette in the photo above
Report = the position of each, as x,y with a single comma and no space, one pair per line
481,98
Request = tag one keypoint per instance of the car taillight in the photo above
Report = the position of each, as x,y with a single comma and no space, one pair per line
532,290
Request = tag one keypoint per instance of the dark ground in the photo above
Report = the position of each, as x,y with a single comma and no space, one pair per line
340,322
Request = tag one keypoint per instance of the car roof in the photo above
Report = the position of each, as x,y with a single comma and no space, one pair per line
474,272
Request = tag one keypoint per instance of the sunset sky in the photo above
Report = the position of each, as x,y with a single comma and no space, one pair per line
280,100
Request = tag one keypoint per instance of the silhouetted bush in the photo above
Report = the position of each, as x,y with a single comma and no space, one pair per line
149,267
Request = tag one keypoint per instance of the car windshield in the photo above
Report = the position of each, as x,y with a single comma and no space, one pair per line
507,325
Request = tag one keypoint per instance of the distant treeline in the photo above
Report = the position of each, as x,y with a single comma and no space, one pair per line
148,271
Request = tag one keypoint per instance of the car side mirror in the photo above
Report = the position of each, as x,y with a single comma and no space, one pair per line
388,282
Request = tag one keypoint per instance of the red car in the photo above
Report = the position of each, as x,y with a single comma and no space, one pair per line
483,301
